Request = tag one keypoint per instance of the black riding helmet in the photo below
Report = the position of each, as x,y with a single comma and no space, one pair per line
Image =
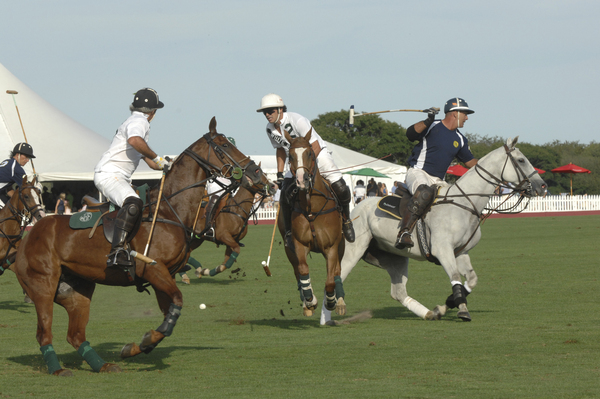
146,99
25,149
457,104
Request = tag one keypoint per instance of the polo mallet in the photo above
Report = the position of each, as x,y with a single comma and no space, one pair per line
353,115
266,264
13,92
162,183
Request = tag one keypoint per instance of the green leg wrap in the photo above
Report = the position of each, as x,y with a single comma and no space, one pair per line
194,263
339,287
50,358
90,356
228,264
231,259
305,287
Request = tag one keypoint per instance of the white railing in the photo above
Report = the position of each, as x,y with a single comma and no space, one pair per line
552,203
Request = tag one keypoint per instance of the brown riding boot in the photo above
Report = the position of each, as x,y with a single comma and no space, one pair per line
404,238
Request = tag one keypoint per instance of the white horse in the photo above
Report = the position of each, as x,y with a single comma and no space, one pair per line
451,229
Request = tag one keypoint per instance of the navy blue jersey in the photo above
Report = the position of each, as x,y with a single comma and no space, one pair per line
10,172
439,146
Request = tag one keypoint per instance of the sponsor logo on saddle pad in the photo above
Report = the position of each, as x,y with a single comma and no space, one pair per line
84,220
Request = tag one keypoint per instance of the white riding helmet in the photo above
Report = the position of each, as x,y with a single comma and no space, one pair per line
270,101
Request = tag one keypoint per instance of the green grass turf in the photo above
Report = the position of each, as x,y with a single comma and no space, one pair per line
535,331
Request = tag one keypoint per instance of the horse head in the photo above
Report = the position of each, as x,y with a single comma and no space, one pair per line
512,167
256,181
28,200
303,161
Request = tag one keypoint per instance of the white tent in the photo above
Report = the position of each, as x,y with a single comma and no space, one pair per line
347,160
64,149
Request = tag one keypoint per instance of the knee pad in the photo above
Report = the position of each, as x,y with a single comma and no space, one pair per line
342,191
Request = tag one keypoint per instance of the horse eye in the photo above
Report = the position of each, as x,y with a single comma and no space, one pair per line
225,145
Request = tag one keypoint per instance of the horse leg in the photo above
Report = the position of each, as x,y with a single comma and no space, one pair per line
352,255
307,296
170,301
75,295
333,285
40,286
231,254
454,268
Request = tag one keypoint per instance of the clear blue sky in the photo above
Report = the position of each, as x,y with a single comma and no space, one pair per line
528,68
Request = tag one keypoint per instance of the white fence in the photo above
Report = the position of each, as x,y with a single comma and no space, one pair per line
552,203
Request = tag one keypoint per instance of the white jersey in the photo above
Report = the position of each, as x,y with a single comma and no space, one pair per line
297,126
121,157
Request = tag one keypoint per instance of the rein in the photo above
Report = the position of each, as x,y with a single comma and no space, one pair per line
230,169
523,186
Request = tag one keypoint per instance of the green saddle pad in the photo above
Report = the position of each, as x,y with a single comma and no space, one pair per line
84,220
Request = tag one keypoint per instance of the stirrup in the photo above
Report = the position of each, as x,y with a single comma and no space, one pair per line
403,244
119,257
210,233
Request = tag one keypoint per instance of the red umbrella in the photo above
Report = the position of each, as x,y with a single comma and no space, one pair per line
540,171
571,169
457,170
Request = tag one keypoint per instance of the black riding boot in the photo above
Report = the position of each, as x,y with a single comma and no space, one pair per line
208,213
286,213
126,225
342,192
418,204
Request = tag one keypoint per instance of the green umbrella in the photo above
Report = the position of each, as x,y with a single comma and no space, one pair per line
367,172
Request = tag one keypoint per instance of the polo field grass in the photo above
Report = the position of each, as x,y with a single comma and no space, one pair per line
535,331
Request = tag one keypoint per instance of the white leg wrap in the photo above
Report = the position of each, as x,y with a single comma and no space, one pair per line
415,306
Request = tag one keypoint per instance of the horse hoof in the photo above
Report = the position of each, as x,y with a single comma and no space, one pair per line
198,272
130,350
63,373
463,312
185,279
110,368
308,312
440,311
27,299
340,307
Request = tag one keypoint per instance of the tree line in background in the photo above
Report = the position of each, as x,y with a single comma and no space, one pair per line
374,136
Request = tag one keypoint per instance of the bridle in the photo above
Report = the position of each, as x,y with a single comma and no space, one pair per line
23,217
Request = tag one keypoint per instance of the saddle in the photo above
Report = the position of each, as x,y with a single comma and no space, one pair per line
390,204
101,213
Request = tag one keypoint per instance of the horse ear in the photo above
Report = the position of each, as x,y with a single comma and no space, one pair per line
24,180
307,137
287,136
510,142
259,164
212,127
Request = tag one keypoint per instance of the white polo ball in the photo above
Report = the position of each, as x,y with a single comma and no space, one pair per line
202,306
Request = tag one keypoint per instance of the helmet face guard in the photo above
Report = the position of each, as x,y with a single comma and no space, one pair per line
270,101
25,149
457,104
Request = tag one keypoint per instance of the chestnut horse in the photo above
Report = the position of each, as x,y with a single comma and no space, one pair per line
231,224
316,226
57,264
24,205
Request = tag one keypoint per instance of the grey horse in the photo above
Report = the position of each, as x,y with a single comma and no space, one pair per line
451,230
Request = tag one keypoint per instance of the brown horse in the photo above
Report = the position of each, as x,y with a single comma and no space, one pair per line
231,224
57,264
24,205
316,226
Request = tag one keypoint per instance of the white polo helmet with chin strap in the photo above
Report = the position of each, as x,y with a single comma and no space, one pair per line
270,101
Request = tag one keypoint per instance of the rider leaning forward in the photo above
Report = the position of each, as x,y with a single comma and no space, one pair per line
113,173
438,143
11,170
296,125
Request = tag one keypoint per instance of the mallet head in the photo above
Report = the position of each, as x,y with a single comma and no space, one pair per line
12,92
